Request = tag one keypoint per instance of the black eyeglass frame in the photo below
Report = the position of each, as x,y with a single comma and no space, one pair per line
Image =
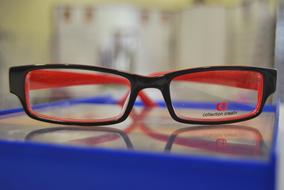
17,78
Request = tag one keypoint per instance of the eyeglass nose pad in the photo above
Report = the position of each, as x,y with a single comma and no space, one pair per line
168,102
123,102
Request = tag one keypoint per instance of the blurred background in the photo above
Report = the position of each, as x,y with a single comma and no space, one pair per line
139,36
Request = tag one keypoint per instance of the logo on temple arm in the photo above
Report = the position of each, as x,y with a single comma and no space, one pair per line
222,110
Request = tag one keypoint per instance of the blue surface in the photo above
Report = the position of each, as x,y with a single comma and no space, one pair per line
38,166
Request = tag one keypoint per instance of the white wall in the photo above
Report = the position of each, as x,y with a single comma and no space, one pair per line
201,38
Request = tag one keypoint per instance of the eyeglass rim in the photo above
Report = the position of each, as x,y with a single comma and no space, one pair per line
18,74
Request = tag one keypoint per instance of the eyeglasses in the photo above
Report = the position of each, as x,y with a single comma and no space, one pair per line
90,96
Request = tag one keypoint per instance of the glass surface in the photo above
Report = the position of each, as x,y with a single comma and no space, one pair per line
217,95
152,129
96,92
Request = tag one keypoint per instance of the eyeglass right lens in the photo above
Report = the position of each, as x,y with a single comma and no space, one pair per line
74,95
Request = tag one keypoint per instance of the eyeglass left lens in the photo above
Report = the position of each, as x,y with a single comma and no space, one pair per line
217,96
74,95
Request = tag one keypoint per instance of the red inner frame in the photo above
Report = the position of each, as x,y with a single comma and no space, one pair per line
47,78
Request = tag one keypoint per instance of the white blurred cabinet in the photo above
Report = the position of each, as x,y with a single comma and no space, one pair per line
148,40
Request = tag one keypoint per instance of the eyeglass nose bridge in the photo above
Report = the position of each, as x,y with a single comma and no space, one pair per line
143,82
